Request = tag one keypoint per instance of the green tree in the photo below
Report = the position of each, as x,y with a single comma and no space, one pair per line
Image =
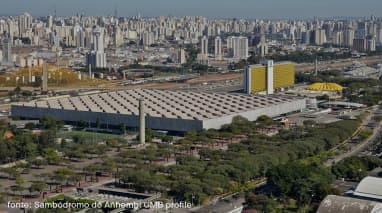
37,187
298,181
122,128
51,123
355,168
51,156
11,172
261,203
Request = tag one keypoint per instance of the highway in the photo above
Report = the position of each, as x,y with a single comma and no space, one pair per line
377,131
335,64
214,77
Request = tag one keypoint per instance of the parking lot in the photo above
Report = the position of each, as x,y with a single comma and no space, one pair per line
324,116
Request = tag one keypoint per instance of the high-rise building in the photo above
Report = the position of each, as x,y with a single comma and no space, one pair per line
54,39
362,29
97,57
25,23
182,56
372,29
203,55
360,44
50,22
147,39
98,40
319,37
364,44
348,37
267,76
237,47
338,38
7,50
379,36
118,38
204,46
371,45
305,37
262,47
218,48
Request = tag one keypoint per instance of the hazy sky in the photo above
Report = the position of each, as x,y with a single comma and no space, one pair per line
209,8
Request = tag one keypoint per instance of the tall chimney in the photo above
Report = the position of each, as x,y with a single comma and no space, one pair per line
142,125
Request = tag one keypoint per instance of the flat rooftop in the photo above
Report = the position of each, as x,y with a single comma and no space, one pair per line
163,103
370,187
164,109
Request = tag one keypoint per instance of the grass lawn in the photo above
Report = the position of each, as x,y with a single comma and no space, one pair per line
89,136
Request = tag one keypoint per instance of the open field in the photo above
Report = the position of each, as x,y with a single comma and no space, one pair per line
89,136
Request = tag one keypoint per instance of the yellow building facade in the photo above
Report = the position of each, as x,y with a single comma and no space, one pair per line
267,77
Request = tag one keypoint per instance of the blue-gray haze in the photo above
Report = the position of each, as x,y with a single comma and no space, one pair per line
210,8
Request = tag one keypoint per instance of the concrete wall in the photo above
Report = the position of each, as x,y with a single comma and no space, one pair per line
169,124
271,111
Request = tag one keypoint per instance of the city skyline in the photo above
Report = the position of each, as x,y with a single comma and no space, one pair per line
273,9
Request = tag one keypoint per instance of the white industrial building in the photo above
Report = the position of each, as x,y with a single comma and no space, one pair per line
164,110
370,188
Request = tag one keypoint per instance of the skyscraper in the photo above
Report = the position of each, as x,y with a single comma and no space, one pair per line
371,45
203,55
238,47
360,44
362,29
338,38
262,47
379,36
147,39
7,50
218,48
118,38
97,57
50,22
348,37
204,46
25,23
97,40
182,56
319,37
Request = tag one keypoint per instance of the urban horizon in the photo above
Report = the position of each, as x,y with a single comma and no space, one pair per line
138,14
190,106
259,9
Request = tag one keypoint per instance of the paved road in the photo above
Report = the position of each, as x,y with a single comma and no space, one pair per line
339,64
213,77
377,131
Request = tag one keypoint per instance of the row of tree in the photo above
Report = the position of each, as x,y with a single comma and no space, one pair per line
217,171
